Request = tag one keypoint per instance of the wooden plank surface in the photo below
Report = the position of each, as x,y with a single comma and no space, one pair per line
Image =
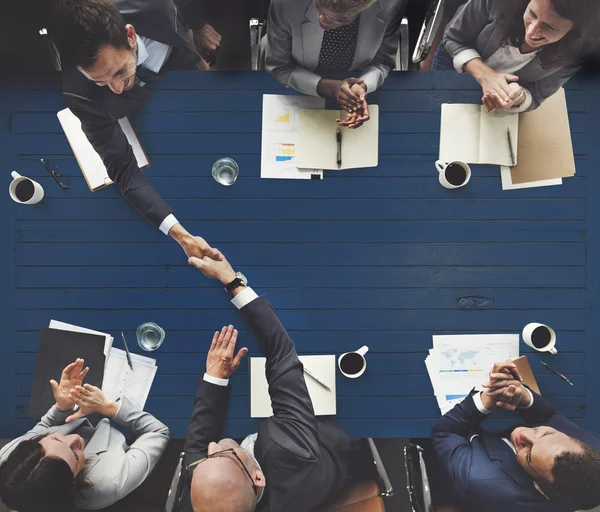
375,256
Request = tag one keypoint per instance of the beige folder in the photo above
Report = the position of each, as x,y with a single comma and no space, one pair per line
545,146
524,367
317,141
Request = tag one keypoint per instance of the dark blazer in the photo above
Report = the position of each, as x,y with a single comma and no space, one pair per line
476,26
306,463
99,109
482,467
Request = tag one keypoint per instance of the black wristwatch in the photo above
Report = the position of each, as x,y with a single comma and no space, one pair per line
240,280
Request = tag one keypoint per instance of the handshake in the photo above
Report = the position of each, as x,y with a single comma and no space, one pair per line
505,388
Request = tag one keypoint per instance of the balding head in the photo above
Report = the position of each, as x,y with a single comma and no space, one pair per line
224,483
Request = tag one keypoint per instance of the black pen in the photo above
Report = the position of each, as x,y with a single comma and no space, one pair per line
339,147
556,373
510,148
127,352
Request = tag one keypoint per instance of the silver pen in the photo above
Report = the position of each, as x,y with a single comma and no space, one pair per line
510,148
308,372
127,352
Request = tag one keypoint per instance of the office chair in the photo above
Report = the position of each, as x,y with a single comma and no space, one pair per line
403,47
417,482
366,496
51,49
429,30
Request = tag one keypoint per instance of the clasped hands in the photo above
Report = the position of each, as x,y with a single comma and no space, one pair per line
71,392
501,91
505,388
351,95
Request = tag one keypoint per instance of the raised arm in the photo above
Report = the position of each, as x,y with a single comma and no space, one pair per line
292,406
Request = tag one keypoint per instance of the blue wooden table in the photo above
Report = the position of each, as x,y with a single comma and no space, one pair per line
374,256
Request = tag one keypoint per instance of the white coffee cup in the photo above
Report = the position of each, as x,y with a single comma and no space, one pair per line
528,334
356,359
38,191
441,168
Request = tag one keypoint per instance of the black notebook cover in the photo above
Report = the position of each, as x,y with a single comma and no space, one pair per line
57,349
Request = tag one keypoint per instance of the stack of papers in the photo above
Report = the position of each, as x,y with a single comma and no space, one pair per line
119,379
280,136
457,364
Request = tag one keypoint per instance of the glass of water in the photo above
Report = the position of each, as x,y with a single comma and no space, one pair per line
150,336
225,171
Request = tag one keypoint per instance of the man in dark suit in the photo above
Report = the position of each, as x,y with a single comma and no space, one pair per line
111,53
549,465
293,463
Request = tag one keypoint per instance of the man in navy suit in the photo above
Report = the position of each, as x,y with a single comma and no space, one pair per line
549,465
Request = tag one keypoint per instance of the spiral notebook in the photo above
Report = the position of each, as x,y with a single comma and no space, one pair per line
92,167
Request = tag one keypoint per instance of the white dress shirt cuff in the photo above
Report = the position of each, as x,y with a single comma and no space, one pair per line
168,223
463,57
479,404
244,298
530,402
523,106
216,381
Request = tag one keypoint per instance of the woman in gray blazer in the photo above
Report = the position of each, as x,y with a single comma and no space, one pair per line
309,39
520,51
64,461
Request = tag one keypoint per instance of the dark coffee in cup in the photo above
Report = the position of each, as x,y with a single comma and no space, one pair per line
352,363
24,190
540,337
456,174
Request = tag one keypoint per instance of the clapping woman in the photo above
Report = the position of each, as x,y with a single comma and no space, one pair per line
520,51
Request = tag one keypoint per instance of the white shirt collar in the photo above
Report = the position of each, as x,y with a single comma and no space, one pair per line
248,445
142,51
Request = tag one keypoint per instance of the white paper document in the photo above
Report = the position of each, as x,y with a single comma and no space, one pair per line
507,183
459,363
280,136
470,134
90,162
323,400
121,381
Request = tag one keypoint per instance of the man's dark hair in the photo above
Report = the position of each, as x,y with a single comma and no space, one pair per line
571,50
575,478
32,482
81,28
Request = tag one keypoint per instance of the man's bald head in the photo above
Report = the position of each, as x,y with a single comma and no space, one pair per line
221,484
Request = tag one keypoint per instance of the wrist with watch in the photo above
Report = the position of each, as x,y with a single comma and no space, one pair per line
240,280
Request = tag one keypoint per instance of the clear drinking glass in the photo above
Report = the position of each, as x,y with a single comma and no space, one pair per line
150,336
225,171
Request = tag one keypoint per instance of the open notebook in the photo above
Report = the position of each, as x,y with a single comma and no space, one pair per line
318,147
89,161
472,135
323,400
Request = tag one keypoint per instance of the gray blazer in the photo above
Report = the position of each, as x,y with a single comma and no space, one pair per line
290,50
475,28
113,467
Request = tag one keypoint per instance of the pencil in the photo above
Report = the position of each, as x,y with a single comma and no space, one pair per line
510,148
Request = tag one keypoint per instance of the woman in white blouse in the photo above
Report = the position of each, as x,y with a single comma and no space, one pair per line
520,51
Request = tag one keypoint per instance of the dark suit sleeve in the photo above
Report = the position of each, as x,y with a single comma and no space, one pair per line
109,141
208,419
540,412
450,439
292,406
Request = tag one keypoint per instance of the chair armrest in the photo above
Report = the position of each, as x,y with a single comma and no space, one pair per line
385,483
175,490
403,46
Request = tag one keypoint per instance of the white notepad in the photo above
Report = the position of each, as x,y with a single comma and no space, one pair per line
89,160
324,401
121,381
317,144
470,134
